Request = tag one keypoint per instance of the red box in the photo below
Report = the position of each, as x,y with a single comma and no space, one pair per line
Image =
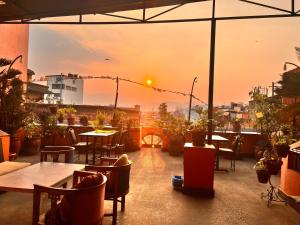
199,164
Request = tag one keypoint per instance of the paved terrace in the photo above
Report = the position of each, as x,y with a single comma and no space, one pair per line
152,200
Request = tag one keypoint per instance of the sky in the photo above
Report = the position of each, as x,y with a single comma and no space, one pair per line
248,53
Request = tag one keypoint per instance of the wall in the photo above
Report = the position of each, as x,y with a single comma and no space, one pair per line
14,42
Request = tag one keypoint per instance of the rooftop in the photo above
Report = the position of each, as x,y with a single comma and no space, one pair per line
152,200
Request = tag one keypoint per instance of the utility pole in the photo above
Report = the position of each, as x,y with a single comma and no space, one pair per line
191,97
117,93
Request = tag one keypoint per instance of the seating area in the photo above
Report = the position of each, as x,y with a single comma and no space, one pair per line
152,200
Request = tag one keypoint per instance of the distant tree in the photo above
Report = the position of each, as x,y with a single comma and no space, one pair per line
163,110
289,85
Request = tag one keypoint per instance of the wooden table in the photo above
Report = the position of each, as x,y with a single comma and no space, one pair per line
217,139
95,135
45,173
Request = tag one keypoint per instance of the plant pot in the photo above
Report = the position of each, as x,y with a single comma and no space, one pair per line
71,120
60,119
282,150
53,109
176,145
273,166
198,138
15,144
262,176
31,146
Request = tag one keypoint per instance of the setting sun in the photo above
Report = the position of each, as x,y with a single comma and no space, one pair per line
149,82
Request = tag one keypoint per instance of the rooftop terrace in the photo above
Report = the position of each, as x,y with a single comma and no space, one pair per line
152,199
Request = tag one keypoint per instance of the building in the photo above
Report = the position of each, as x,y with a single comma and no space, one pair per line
66,89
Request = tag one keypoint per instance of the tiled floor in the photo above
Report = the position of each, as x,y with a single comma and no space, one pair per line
152,201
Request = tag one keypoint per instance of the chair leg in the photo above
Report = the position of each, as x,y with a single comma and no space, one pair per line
122,203
115,211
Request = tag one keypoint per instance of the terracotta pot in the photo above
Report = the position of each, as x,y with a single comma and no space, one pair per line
31,146
15,144
71,120
282,150
262,176
198,138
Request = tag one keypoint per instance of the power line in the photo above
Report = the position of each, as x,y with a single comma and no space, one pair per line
134,82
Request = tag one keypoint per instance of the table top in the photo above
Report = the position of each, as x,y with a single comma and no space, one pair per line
190,145
218,138
98,134
45,173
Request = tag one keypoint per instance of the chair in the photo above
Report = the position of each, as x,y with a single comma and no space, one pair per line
108,148
231,152
80,147
118,183
55,152
85,206
120,148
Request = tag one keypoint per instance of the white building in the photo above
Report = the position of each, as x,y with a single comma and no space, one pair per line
67,89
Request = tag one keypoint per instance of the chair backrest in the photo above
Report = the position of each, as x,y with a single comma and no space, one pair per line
72,136
236,144
85,206
53,153
119,177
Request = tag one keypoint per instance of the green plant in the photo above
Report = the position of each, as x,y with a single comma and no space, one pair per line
119,118
48,122
12,111
70,110
61,112
32,126
100,120
260,165
84,120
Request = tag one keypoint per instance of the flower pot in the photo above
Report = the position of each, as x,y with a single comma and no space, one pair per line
282,150
71,120
262,176
15,144
60,119
273,166
198,138
31,146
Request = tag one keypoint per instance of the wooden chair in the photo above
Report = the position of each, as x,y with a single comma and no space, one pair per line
120,148
110,147
231,152
80,147
118,179
86,206
55,152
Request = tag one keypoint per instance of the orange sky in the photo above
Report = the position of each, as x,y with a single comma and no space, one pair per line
248,53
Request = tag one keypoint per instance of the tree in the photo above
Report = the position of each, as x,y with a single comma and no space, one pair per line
289,85
12,111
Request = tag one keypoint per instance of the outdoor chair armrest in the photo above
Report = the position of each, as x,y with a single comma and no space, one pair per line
57,148
79,175
100,169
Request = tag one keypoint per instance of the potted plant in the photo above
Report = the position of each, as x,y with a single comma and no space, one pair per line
32,128
119,118
12,111
199,127
261,172
84,121
100,120
272,161
237,125
53,109
282,145
61,113
70,111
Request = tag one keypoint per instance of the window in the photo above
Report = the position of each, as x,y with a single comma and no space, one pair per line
69,88
58,86
74,89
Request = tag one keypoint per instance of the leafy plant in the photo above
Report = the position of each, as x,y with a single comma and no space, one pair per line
260,165
70,110
100,120
32,126
12,111
61,112
84,120
119,118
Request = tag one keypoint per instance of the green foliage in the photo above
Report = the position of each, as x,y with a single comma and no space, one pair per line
100,120
201,122
260,165
267,111
119,118
61,112
84,120
70,110
290,83
32,126
48,122
12,111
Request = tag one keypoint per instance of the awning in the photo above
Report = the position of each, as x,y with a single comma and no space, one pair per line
24,10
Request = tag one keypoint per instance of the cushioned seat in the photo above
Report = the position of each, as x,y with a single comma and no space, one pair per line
8,166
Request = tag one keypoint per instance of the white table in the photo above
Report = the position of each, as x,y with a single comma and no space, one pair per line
48,174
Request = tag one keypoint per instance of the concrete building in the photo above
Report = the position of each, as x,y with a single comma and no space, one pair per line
67,89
